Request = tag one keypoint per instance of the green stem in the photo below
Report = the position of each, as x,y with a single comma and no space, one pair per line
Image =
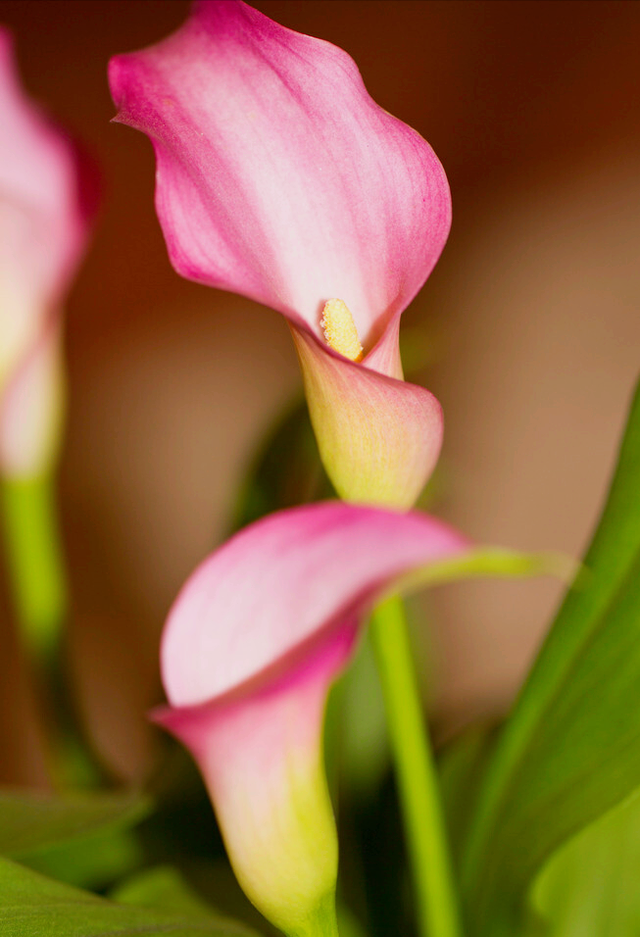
37,580
415,772
36,569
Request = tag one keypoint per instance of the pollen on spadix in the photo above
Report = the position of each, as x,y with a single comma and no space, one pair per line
340,329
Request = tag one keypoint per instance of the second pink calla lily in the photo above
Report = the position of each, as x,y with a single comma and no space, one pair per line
43,232
278,177
250,649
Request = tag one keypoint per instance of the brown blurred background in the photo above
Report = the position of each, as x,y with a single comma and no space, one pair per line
532,319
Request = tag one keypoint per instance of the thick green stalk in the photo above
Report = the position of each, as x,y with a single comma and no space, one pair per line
37,580
416,776
36,568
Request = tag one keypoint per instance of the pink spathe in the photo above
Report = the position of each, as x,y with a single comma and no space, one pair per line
250,649
278,177
43,231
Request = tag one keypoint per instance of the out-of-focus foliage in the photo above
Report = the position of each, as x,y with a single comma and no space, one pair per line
31,821
571,750
590,886
32,905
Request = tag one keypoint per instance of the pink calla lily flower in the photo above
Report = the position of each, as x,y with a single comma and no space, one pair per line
249,651
278,177
43,230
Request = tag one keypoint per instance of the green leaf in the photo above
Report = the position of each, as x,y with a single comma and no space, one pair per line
33,906
215,884
460,768
488,562
32,821
348,924
93,862
161,887
571,749
589,887
356,745
285,470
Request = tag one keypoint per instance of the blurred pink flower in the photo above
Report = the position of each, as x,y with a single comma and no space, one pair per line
278,177
43,230
252,644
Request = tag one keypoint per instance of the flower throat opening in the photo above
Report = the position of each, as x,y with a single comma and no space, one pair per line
340,329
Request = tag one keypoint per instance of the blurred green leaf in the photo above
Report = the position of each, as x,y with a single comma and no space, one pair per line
571,749
34,906
215,884
590,887
348,924
356,729
31,821
460,767
160,887
93,862
285,471
488,562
